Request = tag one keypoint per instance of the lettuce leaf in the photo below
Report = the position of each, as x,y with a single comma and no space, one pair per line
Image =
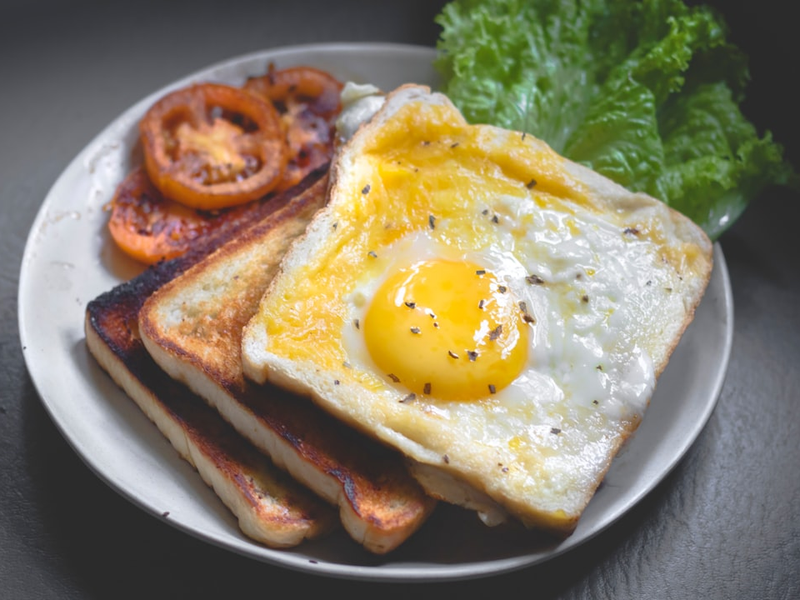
646,93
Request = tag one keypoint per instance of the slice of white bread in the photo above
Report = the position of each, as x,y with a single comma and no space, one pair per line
192,328
270,507
607,281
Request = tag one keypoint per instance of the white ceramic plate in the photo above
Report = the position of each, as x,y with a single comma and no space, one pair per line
69,260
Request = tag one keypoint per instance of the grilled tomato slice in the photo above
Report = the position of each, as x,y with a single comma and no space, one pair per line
308,102
149,227
211,146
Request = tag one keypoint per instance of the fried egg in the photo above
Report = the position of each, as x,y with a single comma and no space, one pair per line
494,311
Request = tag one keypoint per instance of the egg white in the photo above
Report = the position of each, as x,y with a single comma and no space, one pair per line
579,357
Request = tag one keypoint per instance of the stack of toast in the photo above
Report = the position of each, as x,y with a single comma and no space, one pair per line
189,313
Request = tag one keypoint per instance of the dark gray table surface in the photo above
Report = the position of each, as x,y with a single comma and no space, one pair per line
725,523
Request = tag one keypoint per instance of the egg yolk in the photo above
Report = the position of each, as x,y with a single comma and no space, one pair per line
447,329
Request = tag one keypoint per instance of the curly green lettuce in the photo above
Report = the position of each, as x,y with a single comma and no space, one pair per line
646,93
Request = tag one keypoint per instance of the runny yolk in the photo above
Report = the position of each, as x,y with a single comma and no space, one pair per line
447,329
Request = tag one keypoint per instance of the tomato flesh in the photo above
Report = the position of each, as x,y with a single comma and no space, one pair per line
197,154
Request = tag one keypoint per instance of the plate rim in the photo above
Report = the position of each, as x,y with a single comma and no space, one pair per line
281,558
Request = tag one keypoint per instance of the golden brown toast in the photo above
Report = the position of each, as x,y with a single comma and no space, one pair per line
494,311
271,508
192,327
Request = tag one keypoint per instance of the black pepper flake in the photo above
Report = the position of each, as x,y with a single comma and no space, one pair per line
485,211
523,307
346,365
534,279
472,354
495,219
452,354
165,514
373,254
599,367
454,145
631,231
409,397
410,304
393,377
436,325
426,143
649,282
335,382
432,221
480,272
415,330
504,469
481,304
555,430
335,225
523,136
595,402
313,562
669,289
531,184
578,275
502,289
492,389
584,298
495,333
366,189
426,389
357,324
528,319
446,459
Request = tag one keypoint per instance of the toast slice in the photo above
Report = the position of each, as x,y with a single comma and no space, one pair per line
192,327
519,398
270,507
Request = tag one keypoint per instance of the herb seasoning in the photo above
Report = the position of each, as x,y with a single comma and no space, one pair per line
534,279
